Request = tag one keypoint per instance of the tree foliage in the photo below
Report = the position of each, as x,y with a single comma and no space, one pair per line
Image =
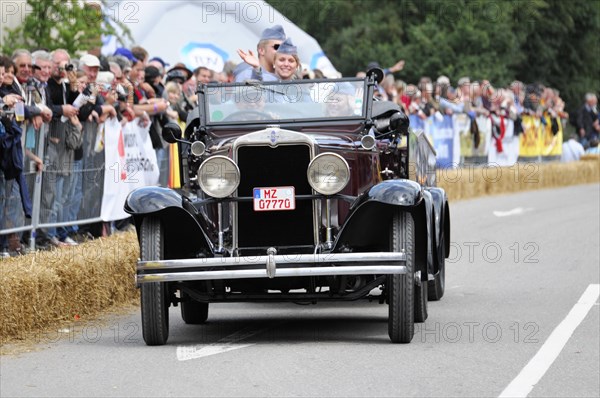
69,24
552,42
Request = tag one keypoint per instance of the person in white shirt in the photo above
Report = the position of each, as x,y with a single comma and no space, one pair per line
572,150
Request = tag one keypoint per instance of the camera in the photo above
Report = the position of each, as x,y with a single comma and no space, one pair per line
69,67
5,110
31,84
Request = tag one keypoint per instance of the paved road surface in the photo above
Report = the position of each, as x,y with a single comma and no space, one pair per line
518,266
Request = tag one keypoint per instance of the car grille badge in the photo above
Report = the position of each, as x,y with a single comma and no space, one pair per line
274,137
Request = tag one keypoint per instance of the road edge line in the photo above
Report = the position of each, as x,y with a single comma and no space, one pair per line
537,366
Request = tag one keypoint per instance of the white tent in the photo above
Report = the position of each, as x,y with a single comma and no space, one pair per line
207,33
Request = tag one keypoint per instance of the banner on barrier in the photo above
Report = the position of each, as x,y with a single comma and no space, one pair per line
442,133
462,127
510,147
541,136
130,163
552,137
530,142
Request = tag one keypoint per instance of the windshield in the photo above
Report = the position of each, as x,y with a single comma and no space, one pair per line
276,102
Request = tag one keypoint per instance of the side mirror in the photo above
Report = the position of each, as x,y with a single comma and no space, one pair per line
171,132
399,122
378,74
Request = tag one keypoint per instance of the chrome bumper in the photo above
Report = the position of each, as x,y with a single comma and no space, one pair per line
246,267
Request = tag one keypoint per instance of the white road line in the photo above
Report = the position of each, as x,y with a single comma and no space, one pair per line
531,374
226,344
514,212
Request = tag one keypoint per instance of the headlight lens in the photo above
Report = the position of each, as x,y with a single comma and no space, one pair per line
328,173
218,176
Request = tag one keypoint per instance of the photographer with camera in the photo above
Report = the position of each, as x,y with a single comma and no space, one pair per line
55,160
63,92
123,90
91,115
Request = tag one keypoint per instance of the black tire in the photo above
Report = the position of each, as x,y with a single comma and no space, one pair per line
421,297
401,325
154,296
193,312
437,285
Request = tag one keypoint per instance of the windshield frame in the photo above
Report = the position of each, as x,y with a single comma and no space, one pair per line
203,104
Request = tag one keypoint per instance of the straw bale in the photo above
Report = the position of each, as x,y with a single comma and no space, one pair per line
44,288
474,181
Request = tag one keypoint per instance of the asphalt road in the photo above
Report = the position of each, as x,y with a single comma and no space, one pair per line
518,266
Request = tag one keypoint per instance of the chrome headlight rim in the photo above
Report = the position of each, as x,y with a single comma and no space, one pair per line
320,189
207,189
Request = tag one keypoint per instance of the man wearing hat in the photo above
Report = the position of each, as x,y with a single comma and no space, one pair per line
125,52
270,40
90,64
285,63
179,73
159,64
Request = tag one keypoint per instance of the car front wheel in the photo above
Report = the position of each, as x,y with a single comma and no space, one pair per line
154,295
401,288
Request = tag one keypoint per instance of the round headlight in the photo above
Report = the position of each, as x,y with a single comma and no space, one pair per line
218,176
328,173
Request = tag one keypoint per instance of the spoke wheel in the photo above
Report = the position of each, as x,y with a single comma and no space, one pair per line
401,287
154,295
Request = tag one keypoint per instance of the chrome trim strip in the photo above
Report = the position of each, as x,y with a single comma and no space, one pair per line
262,273
298,259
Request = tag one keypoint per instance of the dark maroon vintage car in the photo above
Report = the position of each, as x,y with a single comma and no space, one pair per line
301,191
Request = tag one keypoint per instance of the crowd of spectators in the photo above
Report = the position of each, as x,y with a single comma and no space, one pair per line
73,95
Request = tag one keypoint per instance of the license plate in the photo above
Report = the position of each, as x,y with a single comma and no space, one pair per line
274,199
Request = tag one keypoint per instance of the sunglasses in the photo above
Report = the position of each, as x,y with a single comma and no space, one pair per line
25,65
276,46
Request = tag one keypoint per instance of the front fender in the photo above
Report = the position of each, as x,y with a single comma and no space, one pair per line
399,192
184,237
366,226
441,217
148,200
438,197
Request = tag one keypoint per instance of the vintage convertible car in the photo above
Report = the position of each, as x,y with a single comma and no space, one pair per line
301,191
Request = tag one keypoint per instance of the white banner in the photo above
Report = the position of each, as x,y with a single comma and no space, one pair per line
510,147
130,162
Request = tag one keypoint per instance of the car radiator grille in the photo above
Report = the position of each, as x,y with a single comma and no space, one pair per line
264,166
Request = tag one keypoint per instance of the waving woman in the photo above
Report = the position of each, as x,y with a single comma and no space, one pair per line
285,63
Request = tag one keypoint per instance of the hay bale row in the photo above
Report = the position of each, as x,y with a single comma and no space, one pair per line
474,181
47,287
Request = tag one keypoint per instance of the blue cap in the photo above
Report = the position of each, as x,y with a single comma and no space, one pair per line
287,47
275,32
163,63
126,53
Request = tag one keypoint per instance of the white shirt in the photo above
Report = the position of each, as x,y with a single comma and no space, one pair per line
571,151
